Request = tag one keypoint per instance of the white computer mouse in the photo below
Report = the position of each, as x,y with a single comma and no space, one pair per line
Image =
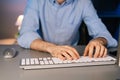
9,53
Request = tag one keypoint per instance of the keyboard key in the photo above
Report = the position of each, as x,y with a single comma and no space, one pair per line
40,59
50,61
57,61
69,61
45,59
46,62
32,61
48,58
36,61
65,61
41,62
27,61
23,62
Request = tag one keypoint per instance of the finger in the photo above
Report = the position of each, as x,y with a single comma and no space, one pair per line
72,52
86,51
67,56
76,53
102,51
97,51
105,53
60,56
91,48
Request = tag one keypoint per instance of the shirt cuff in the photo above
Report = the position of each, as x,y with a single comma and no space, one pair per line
26,39
111,42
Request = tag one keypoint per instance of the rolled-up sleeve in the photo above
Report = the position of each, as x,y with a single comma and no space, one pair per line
30,25
95,26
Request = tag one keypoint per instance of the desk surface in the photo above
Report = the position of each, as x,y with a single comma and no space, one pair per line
9,69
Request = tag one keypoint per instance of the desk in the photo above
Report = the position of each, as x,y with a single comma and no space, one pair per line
9,69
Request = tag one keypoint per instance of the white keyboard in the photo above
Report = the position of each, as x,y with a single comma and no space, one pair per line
51,62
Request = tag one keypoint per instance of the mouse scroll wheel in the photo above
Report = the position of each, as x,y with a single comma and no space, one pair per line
9,53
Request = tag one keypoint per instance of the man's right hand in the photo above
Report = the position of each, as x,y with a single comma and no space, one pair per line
64,52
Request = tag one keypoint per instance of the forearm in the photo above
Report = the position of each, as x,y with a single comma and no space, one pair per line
60,51
41,45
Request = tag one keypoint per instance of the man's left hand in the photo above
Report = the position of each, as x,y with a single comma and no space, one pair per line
96,48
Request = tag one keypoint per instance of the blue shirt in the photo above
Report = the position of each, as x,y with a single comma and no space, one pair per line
59,24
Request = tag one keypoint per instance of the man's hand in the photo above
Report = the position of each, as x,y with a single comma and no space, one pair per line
64,52
96,48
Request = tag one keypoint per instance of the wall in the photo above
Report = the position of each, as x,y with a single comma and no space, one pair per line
9,11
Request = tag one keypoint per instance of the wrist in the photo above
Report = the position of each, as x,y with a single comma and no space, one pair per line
50,48
102,41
